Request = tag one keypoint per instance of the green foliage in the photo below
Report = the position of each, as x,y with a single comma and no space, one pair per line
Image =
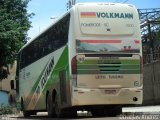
3,74
14,24
5,110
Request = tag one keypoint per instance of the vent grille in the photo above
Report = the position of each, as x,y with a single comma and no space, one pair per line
108,64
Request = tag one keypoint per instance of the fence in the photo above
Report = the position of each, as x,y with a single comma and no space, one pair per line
151,82
149,57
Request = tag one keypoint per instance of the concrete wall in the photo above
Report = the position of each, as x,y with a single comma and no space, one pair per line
5,83
3,98
5,86
151,83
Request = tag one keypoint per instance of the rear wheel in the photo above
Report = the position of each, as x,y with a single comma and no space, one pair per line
115,112
68,112
53,107
50,107
58,111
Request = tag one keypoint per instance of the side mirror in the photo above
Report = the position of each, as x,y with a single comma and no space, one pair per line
12,84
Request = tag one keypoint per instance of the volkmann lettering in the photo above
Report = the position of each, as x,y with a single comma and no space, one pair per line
42,82
115,15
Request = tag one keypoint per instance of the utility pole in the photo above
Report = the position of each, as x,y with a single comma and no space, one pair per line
70,4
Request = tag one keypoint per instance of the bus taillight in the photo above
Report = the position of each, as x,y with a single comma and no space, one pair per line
74,65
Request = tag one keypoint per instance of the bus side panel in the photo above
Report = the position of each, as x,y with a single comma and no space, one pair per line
59,81
35,99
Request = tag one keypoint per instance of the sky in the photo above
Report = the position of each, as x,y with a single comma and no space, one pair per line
46,10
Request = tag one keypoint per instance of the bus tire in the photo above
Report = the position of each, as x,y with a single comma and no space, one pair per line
115,112
50,109
70,113
58,110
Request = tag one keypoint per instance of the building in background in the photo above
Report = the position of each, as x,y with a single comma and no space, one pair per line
8,95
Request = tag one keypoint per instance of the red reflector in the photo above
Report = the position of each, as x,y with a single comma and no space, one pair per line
137,41
138,91
80,92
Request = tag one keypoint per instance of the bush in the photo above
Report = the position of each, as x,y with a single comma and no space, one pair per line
5,109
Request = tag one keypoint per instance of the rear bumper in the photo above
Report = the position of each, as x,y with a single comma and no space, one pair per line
81,96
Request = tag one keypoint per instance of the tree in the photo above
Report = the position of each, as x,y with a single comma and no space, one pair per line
14,24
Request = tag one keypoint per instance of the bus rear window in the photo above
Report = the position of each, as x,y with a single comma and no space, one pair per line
106,21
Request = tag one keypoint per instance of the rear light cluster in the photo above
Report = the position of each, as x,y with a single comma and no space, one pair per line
137,41
74,65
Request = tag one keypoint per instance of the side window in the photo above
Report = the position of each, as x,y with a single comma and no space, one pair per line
36,49
30,53
49,41
61,32
22,61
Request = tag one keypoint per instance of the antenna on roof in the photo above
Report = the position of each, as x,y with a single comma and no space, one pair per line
70,4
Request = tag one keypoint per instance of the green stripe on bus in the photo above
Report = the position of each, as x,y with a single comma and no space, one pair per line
119,61
108,71
35,86
62,64
109,66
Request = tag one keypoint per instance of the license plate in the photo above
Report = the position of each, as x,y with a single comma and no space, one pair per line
110,92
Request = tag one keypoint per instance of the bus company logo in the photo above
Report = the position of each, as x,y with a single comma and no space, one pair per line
42,82
106,15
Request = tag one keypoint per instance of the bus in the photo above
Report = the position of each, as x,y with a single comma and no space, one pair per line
89,59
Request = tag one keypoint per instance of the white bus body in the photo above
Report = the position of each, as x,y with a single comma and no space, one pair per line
89,59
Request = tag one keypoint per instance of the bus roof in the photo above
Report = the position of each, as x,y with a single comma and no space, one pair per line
76,6
103,3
